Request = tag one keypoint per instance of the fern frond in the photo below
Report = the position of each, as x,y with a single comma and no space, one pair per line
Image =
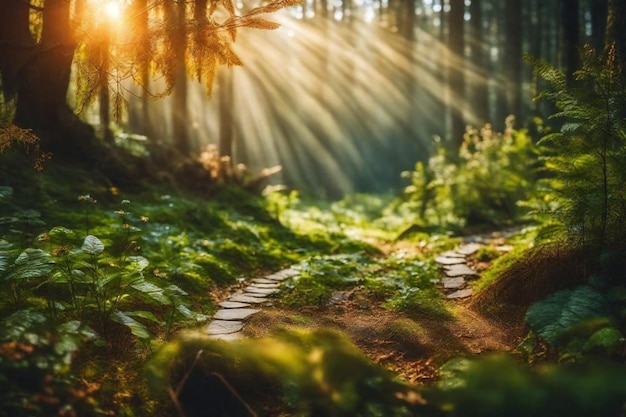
229,5
259,23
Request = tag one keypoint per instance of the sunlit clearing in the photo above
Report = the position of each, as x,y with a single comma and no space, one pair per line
113,10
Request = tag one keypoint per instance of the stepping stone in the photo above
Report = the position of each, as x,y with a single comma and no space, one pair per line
444,260
469,249
453,283
224,327
261,285
231,314
460,271
230,337
250,298
284,274
263,291
504,248
233,304
452,254
264,281
256,295
460,293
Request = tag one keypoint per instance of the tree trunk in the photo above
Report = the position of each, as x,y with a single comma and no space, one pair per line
225,84
38,75
456,69
479,91
599,10
104,97
179,99
513,57
570,37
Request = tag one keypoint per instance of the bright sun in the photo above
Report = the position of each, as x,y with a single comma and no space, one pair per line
113,10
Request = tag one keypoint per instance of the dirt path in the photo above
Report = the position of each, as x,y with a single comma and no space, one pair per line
411,347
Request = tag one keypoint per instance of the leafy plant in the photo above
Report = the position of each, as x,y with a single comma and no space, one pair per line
414,282
20,274
586,159
35,367
97,286
497,386
480,184
558,313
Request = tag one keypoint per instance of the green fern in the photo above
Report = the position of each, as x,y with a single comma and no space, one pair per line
555,315
587,157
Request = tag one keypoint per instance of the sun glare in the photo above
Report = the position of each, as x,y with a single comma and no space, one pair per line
113,10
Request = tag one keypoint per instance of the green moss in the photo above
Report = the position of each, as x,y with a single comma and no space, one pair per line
487,254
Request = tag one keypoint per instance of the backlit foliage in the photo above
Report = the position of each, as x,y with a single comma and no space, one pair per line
480,185
11,134
155,40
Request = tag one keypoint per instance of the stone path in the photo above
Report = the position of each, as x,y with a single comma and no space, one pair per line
456,272
228,322
453,264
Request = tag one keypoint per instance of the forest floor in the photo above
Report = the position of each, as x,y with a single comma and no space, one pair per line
411,347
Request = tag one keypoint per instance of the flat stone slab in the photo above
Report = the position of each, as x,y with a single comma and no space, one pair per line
469,249
453,283
264,281
262,285
241,298
452,254
444,260
230,337
283,274
233,314
256,295
460,271
460,293
253,289
218,327
233,304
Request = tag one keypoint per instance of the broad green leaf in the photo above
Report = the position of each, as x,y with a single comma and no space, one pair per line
153,291
79,328
186,312
606,338
32,263
79,275
61,234
92,245
137,329
176,289
148,315
138,263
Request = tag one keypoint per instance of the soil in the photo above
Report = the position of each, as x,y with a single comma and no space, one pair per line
411,347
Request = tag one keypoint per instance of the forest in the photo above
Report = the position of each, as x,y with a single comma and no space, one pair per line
375,208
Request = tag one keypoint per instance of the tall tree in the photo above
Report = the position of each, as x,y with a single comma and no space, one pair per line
479,95
570,37
456,65
512,57
599,9
36,71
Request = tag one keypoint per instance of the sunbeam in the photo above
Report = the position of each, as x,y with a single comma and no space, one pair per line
343,107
